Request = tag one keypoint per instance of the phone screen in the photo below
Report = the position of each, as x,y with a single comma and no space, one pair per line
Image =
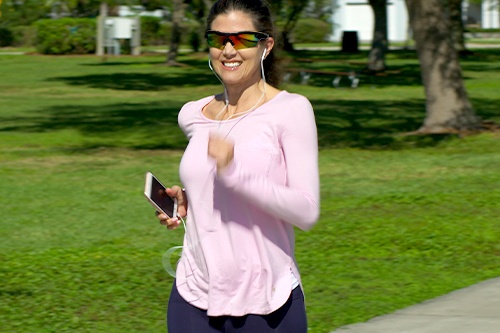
160,198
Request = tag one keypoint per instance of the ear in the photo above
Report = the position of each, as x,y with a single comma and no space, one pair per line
269,44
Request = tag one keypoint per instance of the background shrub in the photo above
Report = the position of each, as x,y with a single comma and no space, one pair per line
193,35
310,30
66,36
481,30
6,37
152,32
195,40
24,36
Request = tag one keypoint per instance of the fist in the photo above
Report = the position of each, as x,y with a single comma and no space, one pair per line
221,150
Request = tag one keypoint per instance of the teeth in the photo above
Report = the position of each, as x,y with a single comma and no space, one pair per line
232,64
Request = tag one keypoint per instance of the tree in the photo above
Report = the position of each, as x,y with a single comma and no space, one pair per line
180,10
84,8
292,10
448,109
151,4
457,25
319,9
177,16
20,12
380,44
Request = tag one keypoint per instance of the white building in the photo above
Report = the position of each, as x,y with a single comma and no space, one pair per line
127,11
357,15
485,15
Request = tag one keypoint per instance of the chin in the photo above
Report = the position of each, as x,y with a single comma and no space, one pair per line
232,79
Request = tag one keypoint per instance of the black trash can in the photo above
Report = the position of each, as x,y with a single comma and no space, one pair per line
350,42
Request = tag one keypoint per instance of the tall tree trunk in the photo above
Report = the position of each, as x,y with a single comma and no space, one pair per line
376,57
295,9
207,4
448,108
457,25
177,16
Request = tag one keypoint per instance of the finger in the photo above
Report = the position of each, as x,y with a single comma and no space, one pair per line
171,223
161,216
174,191
173,226
178,193
214,143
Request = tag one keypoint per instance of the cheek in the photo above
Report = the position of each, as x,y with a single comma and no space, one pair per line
214,53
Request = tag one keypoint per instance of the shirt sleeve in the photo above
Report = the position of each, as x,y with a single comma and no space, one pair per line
296,202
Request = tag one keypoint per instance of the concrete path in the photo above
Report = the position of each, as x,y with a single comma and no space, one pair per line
474,309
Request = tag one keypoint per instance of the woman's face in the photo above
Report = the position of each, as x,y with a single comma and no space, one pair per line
237,67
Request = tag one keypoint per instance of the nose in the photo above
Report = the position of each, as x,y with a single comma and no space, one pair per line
227,40
228,48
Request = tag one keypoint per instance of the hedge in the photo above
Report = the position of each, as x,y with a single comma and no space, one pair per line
311,30
24,35
6,37
66,36
151,31
78,35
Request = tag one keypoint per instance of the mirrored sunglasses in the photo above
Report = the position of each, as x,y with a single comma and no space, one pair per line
239,40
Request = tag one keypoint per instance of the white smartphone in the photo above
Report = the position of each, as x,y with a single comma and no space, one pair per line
154,191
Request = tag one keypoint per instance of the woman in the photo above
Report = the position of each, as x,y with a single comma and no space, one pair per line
251,174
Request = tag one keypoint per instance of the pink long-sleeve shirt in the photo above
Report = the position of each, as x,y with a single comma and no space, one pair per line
238,253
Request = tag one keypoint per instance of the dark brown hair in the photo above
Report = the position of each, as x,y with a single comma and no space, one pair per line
262,19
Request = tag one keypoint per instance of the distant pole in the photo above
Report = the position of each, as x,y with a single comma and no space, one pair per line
101,20
136,36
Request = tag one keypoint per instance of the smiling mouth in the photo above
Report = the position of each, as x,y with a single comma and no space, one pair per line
232,65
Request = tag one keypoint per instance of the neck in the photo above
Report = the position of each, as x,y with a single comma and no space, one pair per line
243,100
239,93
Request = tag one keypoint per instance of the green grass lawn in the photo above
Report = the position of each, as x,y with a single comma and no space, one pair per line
404,218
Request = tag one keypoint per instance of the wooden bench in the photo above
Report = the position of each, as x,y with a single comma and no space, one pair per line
305,75
353,70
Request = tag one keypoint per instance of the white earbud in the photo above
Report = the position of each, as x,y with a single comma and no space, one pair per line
210,63
264,54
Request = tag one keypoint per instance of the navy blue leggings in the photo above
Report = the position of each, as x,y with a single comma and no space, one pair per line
183,317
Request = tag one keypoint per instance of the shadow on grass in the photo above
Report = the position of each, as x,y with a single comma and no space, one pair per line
365,124
381,125
357,123
139,81
194,72
140,126
397,73
360,124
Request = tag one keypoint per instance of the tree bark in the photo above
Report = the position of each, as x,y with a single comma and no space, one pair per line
376,57
177,16
295,9
448,109
457,25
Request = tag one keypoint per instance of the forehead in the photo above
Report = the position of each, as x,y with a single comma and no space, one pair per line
233,21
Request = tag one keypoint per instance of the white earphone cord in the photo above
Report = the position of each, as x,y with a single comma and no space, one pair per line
167,256
263,76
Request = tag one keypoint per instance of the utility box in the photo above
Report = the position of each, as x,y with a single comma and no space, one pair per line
114,31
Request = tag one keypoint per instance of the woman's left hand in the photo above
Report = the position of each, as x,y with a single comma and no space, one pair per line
182,204
221,150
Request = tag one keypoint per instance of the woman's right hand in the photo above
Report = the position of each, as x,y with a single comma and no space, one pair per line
178,193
